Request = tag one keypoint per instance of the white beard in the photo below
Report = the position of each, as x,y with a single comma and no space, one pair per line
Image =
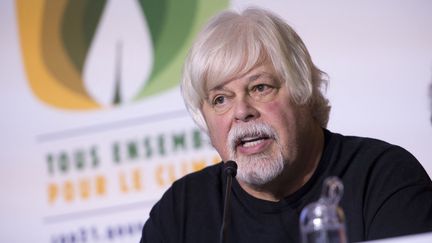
257,169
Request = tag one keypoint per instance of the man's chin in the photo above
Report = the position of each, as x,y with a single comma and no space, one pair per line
258,170
256,158
256,180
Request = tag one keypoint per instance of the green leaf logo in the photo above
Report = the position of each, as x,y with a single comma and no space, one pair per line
91,54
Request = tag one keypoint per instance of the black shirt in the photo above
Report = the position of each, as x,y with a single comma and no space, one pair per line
387,193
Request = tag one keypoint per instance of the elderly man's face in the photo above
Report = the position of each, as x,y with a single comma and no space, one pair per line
252,120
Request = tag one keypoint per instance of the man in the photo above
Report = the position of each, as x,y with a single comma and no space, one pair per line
250,83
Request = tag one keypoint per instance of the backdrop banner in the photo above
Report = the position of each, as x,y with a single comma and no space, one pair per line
94,129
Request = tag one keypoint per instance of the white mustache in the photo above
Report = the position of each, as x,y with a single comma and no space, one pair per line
239,132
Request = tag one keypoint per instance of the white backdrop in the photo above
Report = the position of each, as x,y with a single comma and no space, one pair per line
378,55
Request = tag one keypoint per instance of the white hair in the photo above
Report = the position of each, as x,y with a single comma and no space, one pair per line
231,44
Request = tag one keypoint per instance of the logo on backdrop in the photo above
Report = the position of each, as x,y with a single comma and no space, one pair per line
91,54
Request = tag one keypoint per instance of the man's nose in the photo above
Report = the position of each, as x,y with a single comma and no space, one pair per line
245,110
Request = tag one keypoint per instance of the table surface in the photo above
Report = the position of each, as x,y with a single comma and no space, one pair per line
419,238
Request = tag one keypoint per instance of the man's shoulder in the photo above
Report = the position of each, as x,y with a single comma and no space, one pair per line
365,154
359,141
191,187
371,155
385,181
201,180
366,146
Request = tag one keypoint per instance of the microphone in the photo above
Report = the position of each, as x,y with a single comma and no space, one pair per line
230,169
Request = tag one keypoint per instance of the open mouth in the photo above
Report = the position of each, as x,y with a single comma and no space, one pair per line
251,141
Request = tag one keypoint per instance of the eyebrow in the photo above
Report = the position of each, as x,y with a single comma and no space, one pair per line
219,86
250,79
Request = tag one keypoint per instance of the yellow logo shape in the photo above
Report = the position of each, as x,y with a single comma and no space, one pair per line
41,45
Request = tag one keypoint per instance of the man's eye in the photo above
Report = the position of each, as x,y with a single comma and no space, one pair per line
218,100
261,88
